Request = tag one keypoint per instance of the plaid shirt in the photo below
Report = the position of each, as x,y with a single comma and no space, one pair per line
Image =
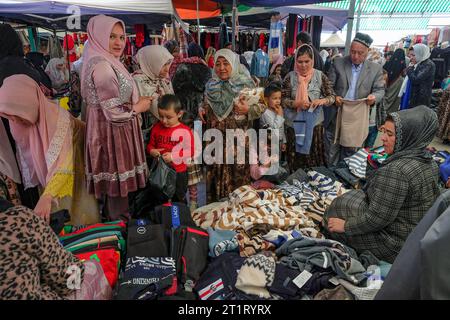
381,218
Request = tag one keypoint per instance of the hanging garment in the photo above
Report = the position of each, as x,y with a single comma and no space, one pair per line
260,64
352,125
208,40
255,42
291,34
140,36
223,35
317,23
276,39
262,40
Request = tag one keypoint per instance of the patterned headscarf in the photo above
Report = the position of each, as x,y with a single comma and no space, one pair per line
219,93
414,130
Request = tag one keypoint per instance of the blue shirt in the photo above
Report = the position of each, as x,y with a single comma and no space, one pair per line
260,64
351,93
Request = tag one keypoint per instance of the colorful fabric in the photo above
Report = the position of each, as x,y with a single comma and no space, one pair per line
109,260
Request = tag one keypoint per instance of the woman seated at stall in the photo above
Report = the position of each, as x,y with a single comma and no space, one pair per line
34,265
380,217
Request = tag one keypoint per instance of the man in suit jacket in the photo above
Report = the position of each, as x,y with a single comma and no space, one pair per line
353,77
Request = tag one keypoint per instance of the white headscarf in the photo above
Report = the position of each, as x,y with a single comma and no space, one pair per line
56,75
151,60
422,53
324,55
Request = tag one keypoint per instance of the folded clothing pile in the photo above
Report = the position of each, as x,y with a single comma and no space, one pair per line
102,242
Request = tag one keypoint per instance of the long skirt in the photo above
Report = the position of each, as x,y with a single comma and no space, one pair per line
316,157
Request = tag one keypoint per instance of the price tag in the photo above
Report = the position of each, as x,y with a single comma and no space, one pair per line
302,279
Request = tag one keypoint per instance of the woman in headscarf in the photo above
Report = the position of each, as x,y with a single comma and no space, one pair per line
35,266
305,91
49,146
12,62
58,73
397,195
225,108
115,154
394,71
153,80
37,60
275,69
419,78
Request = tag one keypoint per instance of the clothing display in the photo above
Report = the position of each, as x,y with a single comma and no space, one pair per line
260,64
352,124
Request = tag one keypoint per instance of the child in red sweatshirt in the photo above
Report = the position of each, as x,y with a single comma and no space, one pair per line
173,142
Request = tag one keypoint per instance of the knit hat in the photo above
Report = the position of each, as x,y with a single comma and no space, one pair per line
364,39
257,273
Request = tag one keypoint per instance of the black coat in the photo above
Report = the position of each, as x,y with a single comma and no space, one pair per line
189,84
422,79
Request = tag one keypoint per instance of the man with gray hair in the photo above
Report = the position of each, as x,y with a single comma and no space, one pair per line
353,77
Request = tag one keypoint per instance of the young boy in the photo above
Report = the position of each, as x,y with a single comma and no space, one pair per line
168,133
273,116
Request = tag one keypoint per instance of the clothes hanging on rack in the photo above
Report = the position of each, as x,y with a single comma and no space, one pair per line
316,30
260,64
276,38
291,34
140,37
223,35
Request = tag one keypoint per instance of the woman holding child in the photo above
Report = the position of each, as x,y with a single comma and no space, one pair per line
225,108
305,91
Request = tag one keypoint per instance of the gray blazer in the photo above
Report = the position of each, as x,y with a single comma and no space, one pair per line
370,81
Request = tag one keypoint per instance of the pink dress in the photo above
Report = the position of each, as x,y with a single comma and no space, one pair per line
115,153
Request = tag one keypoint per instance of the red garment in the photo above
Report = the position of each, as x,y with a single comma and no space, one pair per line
211,62
69,45
262,40
109,259
93,226
208,40
161,138
75,37
140,37
216,41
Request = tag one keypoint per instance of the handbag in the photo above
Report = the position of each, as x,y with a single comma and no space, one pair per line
163,178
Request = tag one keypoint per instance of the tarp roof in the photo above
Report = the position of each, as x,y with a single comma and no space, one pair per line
53,14
396,14
272,3
334,41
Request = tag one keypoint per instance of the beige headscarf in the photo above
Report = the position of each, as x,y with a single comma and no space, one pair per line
151,59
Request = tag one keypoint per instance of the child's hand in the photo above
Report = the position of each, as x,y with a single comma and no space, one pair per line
278,109
167,157
156,153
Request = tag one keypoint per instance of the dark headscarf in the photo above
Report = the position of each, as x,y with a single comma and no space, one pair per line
395,65
12,60
10,44
194,50
171,45
37,60
414,130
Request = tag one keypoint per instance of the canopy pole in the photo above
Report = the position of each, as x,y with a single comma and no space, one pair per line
358,20
198,23
350,18
234,25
